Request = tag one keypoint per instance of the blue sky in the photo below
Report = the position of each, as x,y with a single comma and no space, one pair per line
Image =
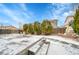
17,14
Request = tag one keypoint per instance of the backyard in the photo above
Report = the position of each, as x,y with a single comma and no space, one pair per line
19,44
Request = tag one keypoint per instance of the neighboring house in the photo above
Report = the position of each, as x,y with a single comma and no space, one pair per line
57,29
54,23
8,29
68,22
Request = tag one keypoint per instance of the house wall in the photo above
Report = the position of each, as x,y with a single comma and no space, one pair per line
8,31
59,30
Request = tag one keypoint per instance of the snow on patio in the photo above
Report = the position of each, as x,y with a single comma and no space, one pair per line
58,48
13,44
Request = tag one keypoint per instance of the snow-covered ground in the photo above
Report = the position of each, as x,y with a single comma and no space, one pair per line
58,48
15,44
12,44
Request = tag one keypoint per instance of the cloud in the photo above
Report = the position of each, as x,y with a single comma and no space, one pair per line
23,7
11,14
18,16
60,12
21,14
68,13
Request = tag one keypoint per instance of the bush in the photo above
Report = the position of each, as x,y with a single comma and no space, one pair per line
30,29
75,24
25,28
37,28
46,27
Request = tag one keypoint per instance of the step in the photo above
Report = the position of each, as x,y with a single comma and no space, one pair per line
43,50
35,48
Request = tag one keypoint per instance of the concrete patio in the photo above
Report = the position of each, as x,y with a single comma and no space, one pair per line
18,44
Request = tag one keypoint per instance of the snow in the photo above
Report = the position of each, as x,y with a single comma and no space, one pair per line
35,47
12,44
43,50
56,49
15,45
59,46
63,39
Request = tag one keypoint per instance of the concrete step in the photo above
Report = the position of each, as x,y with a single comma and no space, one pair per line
44,49
35,48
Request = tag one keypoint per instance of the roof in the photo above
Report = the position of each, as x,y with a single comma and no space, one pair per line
8,27
68,17
53,20
68,20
